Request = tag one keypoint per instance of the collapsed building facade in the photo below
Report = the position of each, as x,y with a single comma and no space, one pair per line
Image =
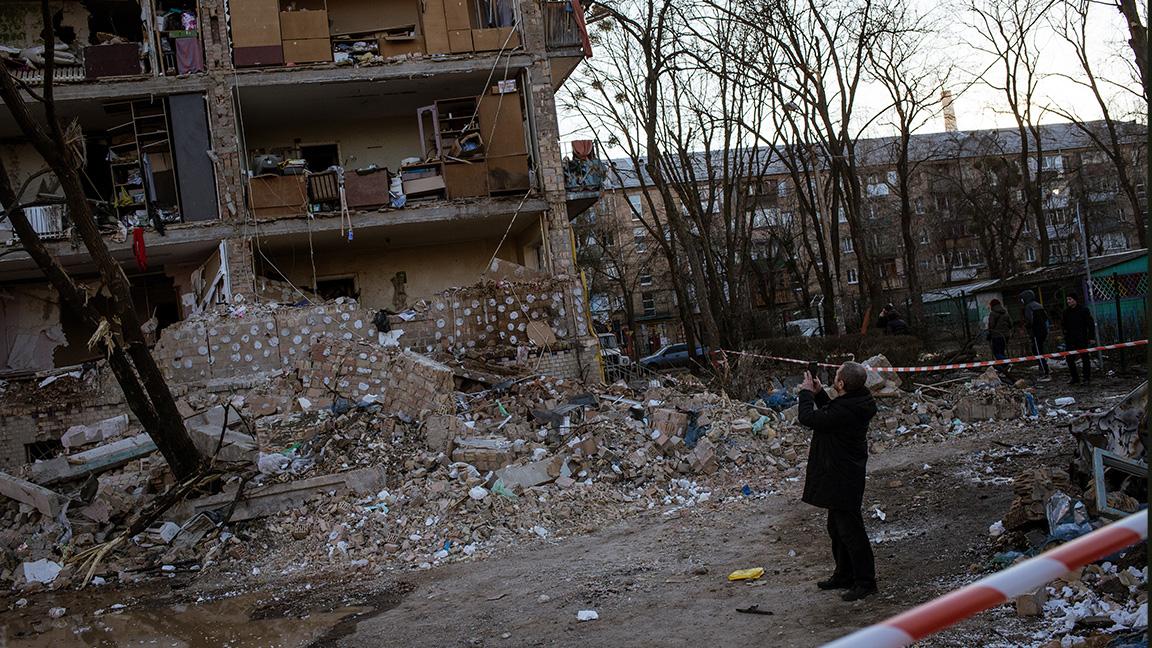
403,154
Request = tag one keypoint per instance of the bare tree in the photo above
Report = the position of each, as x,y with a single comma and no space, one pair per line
814,59
913,81
668,98
1006,31
983,203
1137,39
1113,138
109,311
614,266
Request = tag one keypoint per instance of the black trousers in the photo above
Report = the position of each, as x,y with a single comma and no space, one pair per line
1085,358
850,548
1038,347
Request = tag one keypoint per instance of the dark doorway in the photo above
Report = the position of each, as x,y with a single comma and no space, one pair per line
114,17
319,157
337,287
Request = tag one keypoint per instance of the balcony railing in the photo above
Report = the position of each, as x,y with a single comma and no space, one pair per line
49,221
563,28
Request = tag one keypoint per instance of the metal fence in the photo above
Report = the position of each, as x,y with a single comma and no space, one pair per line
1120,305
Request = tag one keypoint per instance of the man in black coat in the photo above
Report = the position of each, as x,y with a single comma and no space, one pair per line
834,480
1079,333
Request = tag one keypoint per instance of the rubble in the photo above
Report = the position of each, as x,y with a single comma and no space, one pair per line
334,450
82,435
1121,429
38,497
100,459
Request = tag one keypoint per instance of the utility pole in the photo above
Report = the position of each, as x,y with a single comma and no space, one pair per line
1091,302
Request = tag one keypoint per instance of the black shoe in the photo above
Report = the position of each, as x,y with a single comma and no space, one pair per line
859,592
834,583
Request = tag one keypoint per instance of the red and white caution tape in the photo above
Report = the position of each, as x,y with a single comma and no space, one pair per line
931,617
961,365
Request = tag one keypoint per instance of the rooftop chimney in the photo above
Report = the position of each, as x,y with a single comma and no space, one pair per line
949,111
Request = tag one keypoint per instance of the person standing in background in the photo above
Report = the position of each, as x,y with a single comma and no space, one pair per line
1036,328
1079,333
999,328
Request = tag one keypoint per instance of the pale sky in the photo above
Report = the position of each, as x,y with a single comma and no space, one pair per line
977,106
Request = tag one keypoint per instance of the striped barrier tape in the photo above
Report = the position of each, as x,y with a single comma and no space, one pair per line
961,365
1001,587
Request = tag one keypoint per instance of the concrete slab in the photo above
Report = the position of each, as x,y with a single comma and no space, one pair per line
48,502
276,498
97,460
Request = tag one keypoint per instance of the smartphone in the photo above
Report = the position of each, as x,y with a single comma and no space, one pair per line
813,368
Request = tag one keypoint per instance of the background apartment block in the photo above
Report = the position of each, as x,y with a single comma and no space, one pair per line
192,109
957,180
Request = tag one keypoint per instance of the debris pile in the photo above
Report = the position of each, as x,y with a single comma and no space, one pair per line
331,445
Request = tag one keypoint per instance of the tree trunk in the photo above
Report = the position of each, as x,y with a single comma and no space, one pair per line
1137,40
911,268
144,386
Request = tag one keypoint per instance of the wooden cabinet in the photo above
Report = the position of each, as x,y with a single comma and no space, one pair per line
255,23
502,124
273,196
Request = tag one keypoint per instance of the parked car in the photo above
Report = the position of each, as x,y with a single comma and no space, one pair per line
672,356
614,360
805,327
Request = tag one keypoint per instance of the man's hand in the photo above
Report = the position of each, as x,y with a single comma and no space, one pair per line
810,382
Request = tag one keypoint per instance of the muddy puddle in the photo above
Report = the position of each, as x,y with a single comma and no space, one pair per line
307,618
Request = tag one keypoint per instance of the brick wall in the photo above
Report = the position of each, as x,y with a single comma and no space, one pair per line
30,413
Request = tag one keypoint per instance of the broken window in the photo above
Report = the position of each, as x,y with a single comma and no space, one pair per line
42,450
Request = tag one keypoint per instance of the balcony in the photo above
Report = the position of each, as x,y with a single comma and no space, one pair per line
411,152
584,176
109,41
564,26
353,33
565,37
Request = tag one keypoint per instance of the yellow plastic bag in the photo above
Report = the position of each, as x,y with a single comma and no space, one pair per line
746,574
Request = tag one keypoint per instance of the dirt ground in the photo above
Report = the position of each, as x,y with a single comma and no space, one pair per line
654,579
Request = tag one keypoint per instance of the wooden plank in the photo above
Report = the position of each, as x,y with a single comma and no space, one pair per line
48,502
276,498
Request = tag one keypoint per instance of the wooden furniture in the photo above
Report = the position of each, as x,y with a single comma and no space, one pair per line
499,165
121,59
171,37
304,31
458,26
423,180
256,37
276,196
466,179
508,174
140,159
367,189
324,187
501,122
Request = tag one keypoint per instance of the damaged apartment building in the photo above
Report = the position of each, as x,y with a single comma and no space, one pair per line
402,153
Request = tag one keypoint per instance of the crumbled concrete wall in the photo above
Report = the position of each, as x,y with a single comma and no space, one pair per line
488,316
404,382
30,329
200,350
20,22
29,413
